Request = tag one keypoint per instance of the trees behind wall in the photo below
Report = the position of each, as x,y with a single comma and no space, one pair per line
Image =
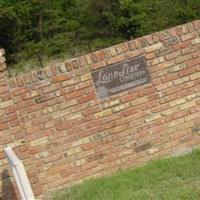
33,29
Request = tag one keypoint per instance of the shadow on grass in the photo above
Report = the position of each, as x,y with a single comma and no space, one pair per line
8,189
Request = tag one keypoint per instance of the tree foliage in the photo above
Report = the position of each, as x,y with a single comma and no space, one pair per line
32,28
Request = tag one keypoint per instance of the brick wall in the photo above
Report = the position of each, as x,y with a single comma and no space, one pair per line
3,71
64,133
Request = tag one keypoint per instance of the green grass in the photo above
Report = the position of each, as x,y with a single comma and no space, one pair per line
176,178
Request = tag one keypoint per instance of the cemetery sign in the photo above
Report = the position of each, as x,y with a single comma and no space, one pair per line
121,76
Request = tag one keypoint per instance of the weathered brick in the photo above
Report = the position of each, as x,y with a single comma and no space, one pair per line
103,113
195,76
196,24
88,59
153,47
129,97
188,36
111,103
30,95
60,113
153,117
118,129
39,141
64,126
92,110
191,97
186,72
130,54
68,103
192,116
4,126
115,59
98,65
181,80
177,102
73,151
18,91
120,107
164,86
71,81
87,97
74,116
86,77
195,41
175,122
163,51
6,104
170,111
142,147
139,101
113,51
187,105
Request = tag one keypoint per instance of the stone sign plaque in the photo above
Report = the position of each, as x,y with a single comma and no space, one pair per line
121,76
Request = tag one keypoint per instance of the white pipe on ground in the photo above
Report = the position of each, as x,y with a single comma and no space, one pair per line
19,172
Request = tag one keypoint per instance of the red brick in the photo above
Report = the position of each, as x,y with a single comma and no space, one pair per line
182,45
150,104
172,55
88,146
11,109
193,62
68,66
8,118
153,96
6,140
64,126
5,97
18,91
198,102
168,98
75,94
129,97
100,55
146,91
98,65
183,93
172,90
169,77
197,53
87,97
92,110
14,123
60,78
150,56
19,135
186,72
3,89
4,126
178,115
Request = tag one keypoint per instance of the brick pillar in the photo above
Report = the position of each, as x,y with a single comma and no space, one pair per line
3,68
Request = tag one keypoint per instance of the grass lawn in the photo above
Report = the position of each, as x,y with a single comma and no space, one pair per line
176,178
